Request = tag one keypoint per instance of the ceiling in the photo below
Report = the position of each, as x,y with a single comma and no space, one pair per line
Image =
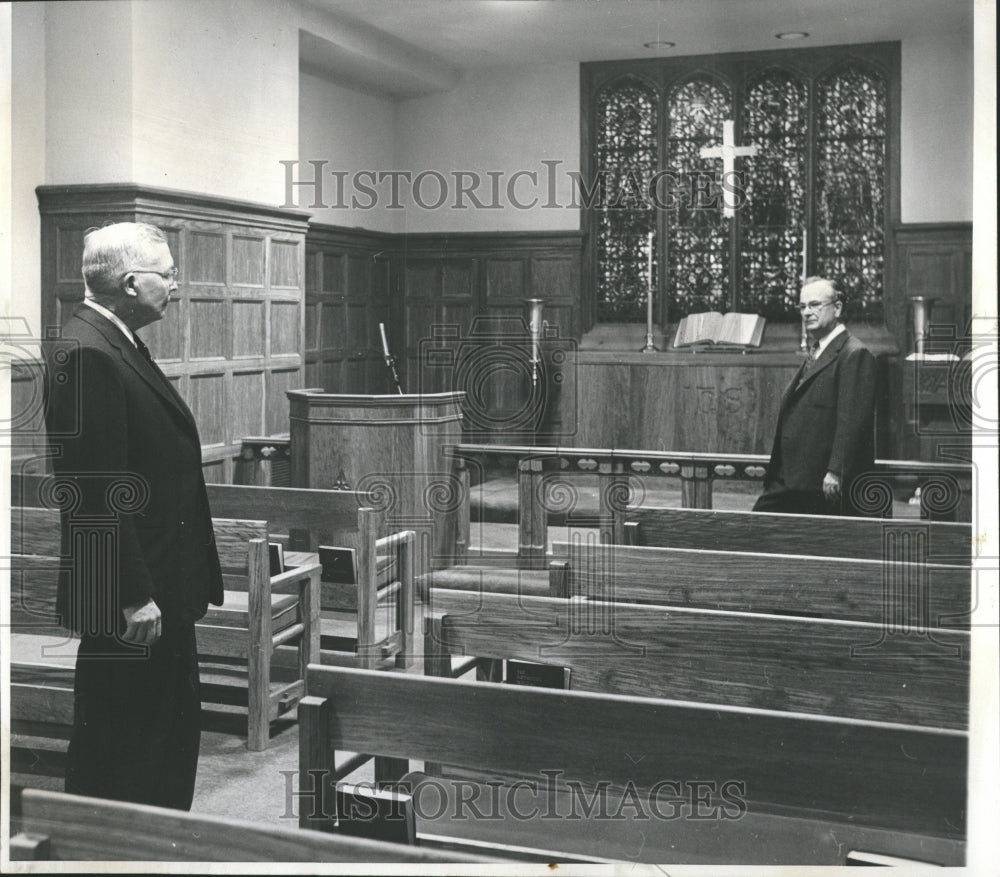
450,37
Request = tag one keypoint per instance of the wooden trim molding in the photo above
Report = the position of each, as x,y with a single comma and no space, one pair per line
125,197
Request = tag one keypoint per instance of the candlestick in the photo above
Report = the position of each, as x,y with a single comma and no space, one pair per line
649,262
650,347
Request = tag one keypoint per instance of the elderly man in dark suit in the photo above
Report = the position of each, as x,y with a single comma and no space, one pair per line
825,435
138,532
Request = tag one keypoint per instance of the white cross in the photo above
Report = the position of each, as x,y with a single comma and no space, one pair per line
728,152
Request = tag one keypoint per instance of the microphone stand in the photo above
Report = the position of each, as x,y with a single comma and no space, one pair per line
390,360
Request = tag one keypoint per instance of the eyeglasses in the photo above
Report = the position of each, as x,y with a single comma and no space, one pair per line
814,305
166,275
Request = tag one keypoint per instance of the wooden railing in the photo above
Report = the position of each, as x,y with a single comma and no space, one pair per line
546,486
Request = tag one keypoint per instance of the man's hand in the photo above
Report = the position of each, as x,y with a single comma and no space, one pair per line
831,486
144,623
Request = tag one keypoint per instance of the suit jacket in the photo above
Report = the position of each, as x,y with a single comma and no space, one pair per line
826,422
128,447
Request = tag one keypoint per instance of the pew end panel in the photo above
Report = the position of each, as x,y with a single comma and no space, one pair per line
260,613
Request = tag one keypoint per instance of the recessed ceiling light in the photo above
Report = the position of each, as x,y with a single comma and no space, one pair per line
659,44
792,35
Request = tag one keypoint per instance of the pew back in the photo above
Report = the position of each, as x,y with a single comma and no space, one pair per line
56,826
806,665
902,595
884,776
319,516
825,536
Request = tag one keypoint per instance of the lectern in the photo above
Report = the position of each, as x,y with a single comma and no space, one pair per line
390,447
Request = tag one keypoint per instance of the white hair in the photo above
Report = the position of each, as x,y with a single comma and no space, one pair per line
111,251
826,283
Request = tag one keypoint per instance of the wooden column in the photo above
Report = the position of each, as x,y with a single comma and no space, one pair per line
532,519
613,500
696,487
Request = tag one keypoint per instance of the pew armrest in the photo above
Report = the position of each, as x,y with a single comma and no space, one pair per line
559,579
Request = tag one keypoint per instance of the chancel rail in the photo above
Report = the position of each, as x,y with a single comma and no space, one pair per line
946,488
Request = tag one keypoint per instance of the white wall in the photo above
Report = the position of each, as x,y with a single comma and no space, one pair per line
88,92
351,132
936,129
215,96
28,82
206,96
495,120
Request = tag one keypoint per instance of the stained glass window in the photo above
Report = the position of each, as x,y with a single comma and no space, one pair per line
772,222
850,187
626,152
814,196
698,250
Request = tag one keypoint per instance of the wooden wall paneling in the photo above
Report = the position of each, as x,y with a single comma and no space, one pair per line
286,327
709,404
503,270
506,278
209,403
238,314
935,260
380,310
342,297
249,404
279,382
249,322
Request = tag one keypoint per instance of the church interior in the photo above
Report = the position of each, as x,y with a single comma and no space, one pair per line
482,492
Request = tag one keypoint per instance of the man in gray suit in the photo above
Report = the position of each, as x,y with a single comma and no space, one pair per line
144,566
825,436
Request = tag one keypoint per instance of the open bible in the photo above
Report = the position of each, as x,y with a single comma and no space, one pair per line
711,327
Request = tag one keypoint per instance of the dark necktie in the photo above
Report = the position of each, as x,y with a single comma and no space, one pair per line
168,386
142,348
807,366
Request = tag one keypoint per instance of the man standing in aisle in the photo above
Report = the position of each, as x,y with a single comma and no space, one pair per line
139,533
826,424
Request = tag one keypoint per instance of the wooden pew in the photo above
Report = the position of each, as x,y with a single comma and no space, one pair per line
806,789
903,596
826,536
805,665
385,566
236,641
305,519
52,826
314,517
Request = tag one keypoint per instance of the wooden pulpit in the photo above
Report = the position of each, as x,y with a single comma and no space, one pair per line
389,447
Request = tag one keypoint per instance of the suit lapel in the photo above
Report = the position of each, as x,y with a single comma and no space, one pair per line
145,369
826,358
